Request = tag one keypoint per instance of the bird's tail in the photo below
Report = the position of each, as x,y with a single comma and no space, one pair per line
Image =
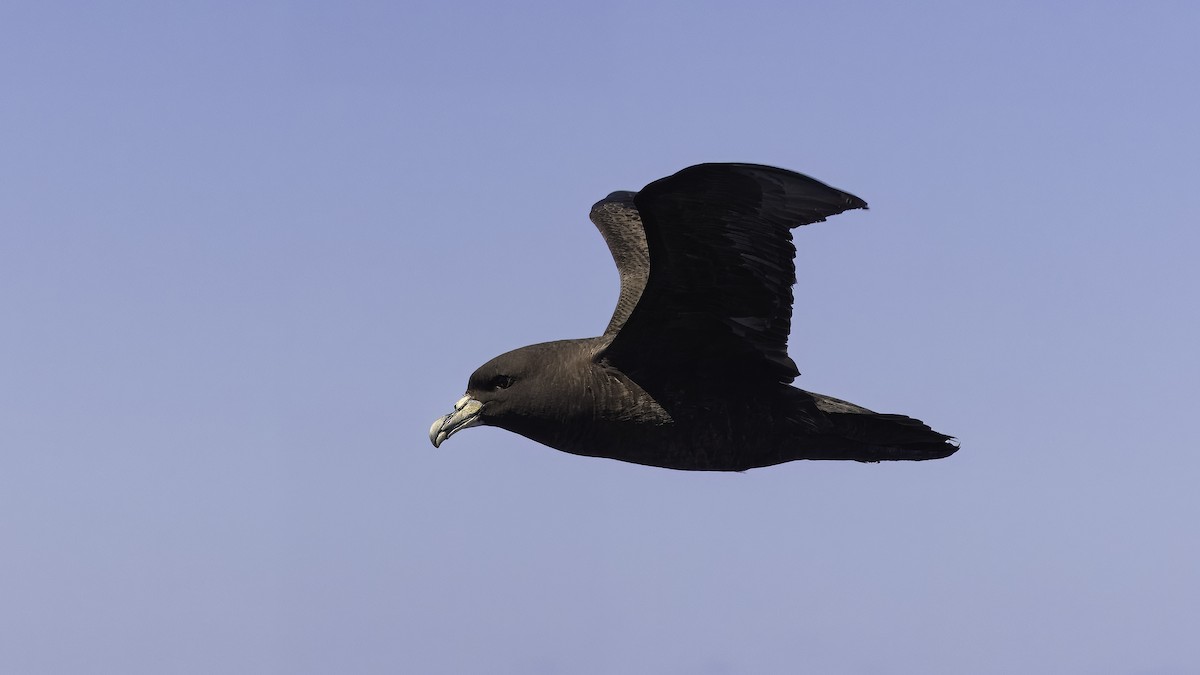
869,436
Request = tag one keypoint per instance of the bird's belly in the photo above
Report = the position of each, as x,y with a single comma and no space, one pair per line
673,445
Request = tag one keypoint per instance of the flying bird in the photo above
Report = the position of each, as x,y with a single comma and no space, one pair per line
692,371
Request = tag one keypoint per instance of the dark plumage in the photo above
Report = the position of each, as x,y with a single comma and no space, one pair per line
692,371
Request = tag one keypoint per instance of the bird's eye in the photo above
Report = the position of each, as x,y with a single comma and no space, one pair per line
501,382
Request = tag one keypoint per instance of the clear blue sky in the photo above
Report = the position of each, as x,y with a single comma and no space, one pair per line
249,251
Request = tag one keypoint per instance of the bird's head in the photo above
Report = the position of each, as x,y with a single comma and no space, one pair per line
509,391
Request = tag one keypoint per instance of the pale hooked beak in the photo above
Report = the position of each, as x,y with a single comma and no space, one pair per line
466,414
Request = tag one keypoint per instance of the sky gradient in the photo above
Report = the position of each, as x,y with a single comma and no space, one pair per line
249,251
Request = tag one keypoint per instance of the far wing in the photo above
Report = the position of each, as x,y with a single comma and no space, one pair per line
617,218
719,293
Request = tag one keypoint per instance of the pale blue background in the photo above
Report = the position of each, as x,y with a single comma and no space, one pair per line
249,251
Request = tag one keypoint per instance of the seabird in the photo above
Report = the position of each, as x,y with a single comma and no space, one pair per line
692,371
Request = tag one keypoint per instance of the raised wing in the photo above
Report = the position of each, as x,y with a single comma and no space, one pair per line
718,298
617,218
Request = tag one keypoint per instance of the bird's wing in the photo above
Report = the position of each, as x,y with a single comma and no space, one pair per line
719,294
617,218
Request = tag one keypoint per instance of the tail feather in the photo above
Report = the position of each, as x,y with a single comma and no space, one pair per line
869,436
876,437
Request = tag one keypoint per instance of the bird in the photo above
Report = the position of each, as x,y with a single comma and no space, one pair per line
692,371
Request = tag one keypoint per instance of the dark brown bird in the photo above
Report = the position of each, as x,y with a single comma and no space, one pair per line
692,371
